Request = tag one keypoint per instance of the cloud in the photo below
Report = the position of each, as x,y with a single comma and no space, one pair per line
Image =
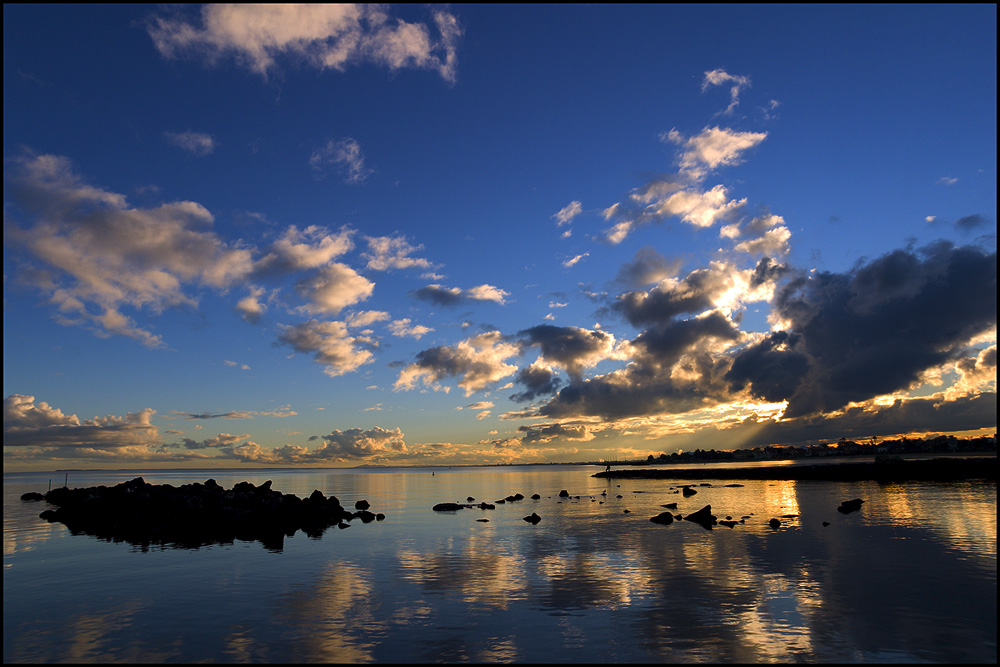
538,379
700,290
393,252
330,345
718,77
545,433
250,307
569,263
478,361
324,36
403,328
39,425
234,364
309,248
367,318
566,214
453,296
850,337
234,414
478,405
947,180
648,266
198,144
110,256
345,156
356,443
662,199
714,147
971,222
572,348
333,288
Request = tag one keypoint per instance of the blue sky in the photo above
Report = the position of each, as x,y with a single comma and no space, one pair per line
416,234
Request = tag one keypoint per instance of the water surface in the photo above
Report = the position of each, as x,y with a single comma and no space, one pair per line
909,578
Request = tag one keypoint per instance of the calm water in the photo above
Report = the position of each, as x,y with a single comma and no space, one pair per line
909,578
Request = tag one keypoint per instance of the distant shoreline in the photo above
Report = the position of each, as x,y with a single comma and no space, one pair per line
943,469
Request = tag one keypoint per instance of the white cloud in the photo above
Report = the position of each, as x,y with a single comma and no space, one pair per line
478,361
567,213
487,293
718,77
196,143
574,260
366,318
27,424
345,155
947,180
393,252
111,255
714,147
309,248
330,344
250,307
333,288
403,328
325,36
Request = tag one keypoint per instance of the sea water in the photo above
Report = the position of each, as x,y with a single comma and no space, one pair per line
911,577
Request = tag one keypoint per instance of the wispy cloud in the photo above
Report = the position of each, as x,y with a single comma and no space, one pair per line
196,143
345,156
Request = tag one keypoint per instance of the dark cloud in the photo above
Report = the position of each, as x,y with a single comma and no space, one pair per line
767,270
543,433
677,367
537,380
571,348
971,222
659,305
438,295
647,267
858,335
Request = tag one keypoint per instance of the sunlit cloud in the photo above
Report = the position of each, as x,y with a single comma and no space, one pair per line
478,362
330,344
566,214
323,36
345,156
719,77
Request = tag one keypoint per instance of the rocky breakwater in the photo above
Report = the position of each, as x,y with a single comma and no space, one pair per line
195,515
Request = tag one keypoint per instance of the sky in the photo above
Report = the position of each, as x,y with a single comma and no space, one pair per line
342,235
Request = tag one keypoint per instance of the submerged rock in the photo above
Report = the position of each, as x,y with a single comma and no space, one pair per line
533,518
447,507
849,506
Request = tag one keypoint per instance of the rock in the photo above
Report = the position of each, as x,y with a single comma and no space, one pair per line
702,517
365,516
470,499
518,496
664,519
618,496
849,506
826,523
31,495
483,520
733,486
533,518
564,494
447,507
487,506
729,523
688,491
380,517
670,506
535,496
626,511
361,505
774,523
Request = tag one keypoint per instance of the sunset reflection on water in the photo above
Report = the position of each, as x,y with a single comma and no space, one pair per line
911,576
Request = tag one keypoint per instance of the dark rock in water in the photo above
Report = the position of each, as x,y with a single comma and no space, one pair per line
194,515
535,496
849,506
702,517
665,519
380,517
618,496
564,494
826,523
343,525
487,506
361,505
533,519
626,511
728,522
774,523
470,499
31,495
705,484
483,520
670,506
688,491
733,486
447,507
